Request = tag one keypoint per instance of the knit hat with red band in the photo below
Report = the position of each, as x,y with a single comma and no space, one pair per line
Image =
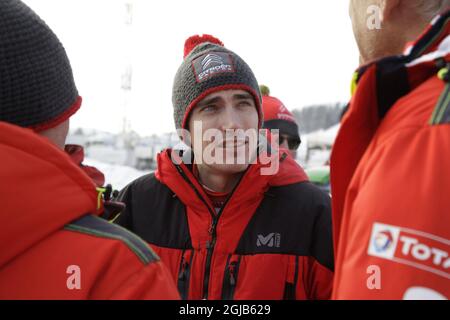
277,116
209,67
37,88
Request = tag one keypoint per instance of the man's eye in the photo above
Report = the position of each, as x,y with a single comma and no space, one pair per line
244,104
210,108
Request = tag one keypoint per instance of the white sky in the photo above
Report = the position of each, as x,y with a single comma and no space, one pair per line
303,50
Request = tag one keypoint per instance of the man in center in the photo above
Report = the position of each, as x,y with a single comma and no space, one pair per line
230,230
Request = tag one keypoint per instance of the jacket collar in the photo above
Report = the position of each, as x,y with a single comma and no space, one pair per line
396,76
76,153
253,184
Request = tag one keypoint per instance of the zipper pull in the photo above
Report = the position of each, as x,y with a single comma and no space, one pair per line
184,267
183,271
232,269
212,227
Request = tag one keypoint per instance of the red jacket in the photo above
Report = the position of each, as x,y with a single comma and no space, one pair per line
271,240
390,177
52,246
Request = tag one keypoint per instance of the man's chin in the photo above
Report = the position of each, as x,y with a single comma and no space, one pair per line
229,168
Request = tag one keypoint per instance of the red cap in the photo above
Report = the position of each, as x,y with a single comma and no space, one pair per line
274,109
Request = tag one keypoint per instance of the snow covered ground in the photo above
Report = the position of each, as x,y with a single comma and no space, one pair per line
117,175
322,137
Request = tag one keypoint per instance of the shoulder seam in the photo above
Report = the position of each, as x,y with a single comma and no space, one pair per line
128,238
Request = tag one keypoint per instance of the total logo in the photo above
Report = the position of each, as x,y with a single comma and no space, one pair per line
383,241
411,247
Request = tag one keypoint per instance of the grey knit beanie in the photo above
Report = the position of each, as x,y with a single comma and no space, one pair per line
37,88
209,67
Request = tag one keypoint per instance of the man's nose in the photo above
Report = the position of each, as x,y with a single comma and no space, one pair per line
230,118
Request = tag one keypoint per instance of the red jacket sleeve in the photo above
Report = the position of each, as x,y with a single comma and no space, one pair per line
151,282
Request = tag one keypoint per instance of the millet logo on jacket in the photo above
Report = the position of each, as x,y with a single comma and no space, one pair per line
272,240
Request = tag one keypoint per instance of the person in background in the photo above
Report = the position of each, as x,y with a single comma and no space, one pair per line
277,116
76,153
53,245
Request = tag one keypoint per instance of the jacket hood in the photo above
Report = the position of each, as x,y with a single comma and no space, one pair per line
41,190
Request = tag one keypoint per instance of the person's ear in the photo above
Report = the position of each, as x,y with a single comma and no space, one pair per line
388,8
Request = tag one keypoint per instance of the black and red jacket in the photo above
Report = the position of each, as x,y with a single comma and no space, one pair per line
271,240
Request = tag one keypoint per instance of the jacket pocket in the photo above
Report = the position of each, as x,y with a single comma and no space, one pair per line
230,277
184,274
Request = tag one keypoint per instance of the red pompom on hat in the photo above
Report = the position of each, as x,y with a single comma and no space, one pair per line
194,41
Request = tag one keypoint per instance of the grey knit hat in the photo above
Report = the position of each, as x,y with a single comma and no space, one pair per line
37,88
209,67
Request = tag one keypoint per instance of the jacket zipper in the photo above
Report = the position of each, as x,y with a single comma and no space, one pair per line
230,278
184,275
212,229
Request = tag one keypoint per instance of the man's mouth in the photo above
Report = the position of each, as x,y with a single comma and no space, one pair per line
233,143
